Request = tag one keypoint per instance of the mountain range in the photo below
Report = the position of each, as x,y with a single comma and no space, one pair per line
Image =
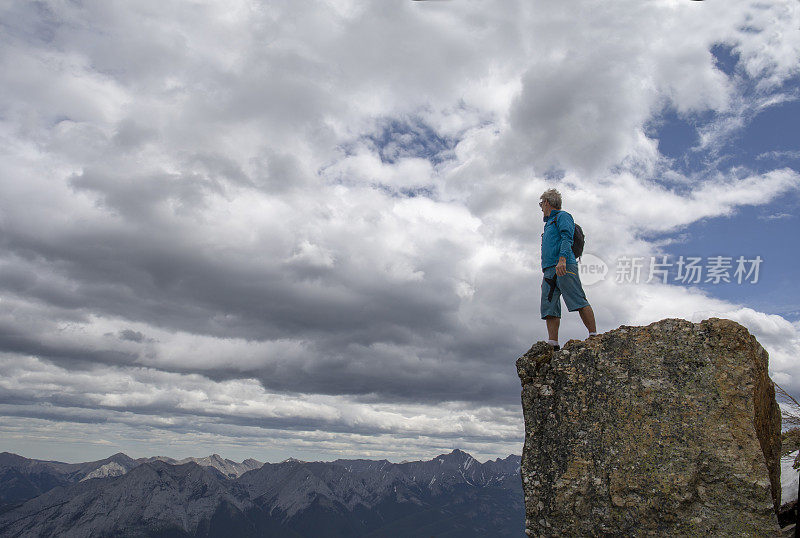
450,495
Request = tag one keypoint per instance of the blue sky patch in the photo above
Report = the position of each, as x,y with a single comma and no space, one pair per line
424,191
767,141
725,58
768,231
676,136
398,139
774,129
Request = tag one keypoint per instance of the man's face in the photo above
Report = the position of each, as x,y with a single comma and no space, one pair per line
545,208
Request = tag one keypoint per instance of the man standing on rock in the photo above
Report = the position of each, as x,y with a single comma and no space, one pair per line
560,269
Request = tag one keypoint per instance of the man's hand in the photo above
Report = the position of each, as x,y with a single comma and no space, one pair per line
561,266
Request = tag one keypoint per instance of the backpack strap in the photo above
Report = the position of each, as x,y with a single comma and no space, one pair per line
553,286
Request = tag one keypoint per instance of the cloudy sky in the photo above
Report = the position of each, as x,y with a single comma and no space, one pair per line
310,228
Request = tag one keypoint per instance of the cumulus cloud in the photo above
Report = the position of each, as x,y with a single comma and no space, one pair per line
317,221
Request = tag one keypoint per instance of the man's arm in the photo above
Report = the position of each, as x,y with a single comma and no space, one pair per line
566,230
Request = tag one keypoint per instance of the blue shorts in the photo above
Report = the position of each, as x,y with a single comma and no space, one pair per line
554,286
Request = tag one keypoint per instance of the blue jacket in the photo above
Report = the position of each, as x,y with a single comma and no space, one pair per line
557,238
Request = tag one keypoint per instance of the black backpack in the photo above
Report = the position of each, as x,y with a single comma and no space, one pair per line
578,240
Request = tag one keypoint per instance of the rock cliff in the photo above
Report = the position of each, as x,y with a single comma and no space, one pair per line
666,430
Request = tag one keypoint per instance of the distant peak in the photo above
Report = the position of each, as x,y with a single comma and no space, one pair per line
459,454
456,457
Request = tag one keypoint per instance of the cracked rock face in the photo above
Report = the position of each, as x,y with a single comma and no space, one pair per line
666,430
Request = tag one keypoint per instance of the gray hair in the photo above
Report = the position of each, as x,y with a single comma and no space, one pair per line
552,197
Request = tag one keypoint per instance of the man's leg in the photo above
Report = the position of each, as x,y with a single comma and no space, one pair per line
552,327
574,296
551,304
587,316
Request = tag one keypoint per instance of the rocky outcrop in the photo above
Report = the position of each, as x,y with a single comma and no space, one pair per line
666,430
104,471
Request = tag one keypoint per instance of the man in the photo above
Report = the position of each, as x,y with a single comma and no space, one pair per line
560,269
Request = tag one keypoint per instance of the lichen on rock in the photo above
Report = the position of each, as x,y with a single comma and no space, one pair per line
666,430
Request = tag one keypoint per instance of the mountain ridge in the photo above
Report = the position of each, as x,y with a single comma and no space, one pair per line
356,497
